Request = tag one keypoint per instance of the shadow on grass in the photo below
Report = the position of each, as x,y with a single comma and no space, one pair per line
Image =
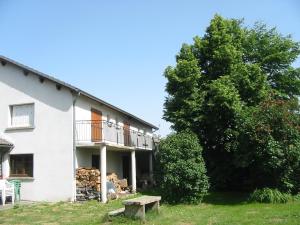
215,198
151,191
226,198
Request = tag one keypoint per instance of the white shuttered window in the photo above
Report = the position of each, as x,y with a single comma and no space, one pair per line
22,115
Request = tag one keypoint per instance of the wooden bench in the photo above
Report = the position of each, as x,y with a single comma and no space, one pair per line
137,207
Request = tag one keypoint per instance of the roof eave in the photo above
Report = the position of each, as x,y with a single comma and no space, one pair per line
75,89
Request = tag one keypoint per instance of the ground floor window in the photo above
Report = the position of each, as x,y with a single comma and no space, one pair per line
21,165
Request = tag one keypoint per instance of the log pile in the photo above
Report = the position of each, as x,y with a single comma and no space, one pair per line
112,177
88,177
88,183
123,184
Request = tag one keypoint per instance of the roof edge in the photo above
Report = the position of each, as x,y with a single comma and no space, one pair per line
73,88
5,141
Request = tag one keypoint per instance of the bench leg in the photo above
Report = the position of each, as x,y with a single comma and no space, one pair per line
153,206
135,211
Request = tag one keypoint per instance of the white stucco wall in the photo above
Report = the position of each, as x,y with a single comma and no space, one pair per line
51,141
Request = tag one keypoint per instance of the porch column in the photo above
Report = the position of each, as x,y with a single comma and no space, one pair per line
1,166
133,171
151,167
103,173
5,165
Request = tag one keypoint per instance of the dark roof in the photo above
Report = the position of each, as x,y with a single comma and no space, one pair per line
75,89
5,142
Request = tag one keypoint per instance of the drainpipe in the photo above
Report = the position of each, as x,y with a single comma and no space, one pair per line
75,97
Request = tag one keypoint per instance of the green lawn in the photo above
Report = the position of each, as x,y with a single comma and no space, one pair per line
217,208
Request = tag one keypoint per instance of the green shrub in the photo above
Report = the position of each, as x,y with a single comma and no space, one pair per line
267,195
296,197
180,169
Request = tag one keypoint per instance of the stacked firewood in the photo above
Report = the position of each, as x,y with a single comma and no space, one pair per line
112,177
88,177
88,183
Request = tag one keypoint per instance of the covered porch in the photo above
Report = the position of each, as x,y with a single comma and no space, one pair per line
126,162
5,190
5,147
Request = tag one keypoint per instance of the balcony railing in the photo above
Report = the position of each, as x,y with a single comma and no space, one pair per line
96,131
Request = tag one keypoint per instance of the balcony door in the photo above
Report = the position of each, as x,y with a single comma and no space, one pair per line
126,134
96,125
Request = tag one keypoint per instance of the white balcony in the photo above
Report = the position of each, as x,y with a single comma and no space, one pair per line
93,132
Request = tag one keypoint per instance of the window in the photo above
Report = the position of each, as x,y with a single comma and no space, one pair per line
21,165
117,123
95,161
22,115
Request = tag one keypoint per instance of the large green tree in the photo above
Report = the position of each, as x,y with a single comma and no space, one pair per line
223,87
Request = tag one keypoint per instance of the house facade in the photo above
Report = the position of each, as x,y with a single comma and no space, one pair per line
53,128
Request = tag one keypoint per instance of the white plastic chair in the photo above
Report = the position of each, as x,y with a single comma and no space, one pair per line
7,190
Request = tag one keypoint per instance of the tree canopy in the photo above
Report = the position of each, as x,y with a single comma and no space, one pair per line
236,88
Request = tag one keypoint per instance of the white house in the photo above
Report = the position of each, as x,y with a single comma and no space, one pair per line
49,128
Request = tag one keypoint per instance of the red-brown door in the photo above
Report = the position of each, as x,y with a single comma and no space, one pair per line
126,134
96,125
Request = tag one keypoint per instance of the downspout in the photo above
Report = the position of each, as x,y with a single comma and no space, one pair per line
75,97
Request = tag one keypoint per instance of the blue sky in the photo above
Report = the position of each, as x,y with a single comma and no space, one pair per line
118,50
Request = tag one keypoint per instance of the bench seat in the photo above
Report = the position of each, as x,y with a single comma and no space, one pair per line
136,207
144,200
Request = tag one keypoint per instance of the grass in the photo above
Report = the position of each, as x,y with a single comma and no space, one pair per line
217,208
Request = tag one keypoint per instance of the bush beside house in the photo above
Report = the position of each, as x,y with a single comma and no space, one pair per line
180,169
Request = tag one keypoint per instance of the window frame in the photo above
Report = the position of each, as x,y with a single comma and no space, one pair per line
16,175
10,117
